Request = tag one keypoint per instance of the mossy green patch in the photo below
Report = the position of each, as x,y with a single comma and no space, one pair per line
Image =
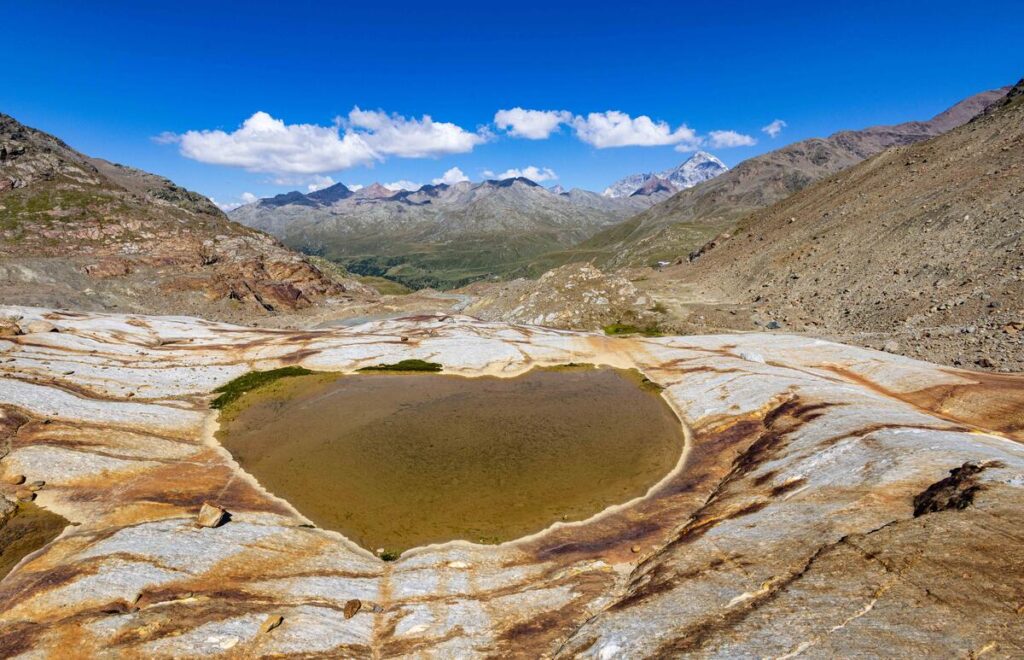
384,286
232,391
406,365
616,329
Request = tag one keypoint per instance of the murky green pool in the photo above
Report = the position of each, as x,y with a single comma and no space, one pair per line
400,460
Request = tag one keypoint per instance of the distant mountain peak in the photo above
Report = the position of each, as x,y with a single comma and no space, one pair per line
376,191
653,186
506,183
698,168
331,194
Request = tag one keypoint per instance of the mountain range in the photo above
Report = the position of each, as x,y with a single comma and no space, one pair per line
439,235
700,167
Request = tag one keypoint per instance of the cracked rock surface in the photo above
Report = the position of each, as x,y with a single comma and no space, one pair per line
832,501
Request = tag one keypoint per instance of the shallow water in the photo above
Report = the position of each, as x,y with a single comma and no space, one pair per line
396,461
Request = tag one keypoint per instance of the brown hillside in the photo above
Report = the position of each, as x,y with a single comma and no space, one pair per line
84,233
921,247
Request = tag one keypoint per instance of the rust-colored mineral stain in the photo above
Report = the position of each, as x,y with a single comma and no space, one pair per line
396,461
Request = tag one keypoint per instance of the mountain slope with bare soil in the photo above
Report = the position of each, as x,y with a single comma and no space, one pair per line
919,249
672,229
87,234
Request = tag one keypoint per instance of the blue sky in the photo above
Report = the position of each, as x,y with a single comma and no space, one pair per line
109,79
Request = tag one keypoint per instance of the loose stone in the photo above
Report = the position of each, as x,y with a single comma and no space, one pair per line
271,622
14,479
352,607
211,515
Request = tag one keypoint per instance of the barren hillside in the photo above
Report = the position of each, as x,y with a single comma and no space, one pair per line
919,249
78,232
672,229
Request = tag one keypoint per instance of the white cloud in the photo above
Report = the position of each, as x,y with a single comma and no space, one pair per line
265,144
354,186
167,137
402,185
319,183
412,138
532,172
246,197
725,139
531,124
617,129
451,177
773,129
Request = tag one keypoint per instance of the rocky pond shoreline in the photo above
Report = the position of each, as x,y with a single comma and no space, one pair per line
832,500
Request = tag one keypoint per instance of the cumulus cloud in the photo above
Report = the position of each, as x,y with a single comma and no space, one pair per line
266,144
618,129
412,138
402,184
531,124
246,198
531,172
451,177
725,139
773,129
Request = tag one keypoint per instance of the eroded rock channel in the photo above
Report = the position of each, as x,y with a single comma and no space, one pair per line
400,460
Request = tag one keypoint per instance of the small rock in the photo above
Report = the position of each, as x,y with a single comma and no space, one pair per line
33,327
271,622
891,346
405,339
36,485
352,607
9,329
14,479
211,515
25,495
773,325
984,363
635,549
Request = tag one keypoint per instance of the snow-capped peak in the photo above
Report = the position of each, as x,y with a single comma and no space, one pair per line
699,167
